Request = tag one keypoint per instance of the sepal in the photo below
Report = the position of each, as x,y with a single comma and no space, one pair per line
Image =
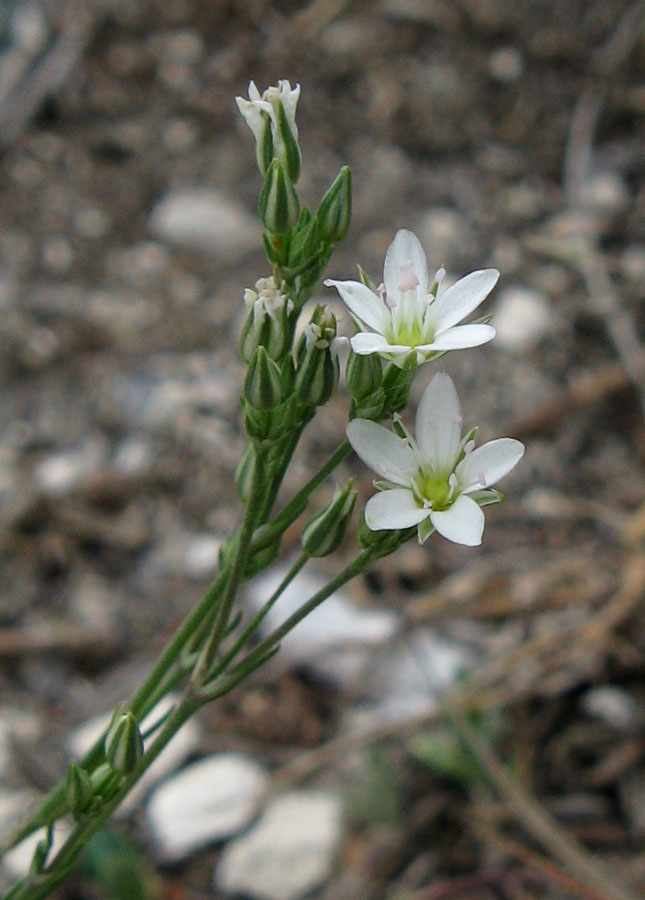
323,533
278,205
124,744
335,210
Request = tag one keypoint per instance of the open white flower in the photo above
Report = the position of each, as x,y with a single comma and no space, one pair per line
407,313
438,481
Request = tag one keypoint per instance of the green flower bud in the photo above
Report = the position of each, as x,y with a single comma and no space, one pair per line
278,206
335,208
78,789
124,744
323,534
263,384
268,324
317,366
363,375
244,473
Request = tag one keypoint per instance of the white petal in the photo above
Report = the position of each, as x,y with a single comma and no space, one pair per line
488,463
367,342
438,423
404,250
363,303
463,522
385,453
463,297
393,509
463,336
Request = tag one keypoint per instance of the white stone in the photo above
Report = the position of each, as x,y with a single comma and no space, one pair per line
61,472
522,317
611,704
208,801
336,639
606,193
405,679
182,745
288,853
201,555
204,219
506,64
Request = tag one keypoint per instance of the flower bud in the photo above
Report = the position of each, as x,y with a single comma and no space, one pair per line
263,384
245,472
323,534
278,206
259,121
317,359
78,789
124,744
335,208
363,375
268,323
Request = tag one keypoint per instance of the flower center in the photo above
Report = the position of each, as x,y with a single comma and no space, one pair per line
434,490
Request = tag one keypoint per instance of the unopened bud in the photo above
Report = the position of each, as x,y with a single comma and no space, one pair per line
245,472
268,324
124,744
363,374
335,210
263,384
78,789
278,206
323,534
317,359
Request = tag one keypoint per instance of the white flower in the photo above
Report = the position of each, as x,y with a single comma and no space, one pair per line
408,314
438,481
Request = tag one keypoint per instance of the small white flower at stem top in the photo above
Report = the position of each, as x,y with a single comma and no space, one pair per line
407,313
438,481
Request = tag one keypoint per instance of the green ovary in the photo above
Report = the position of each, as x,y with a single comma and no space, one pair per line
433,489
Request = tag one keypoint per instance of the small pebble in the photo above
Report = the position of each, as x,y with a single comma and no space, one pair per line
506,64
208,801
290,851
610,704
522,317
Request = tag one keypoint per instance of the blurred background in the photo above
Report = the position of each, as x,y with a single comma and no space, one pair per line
504,134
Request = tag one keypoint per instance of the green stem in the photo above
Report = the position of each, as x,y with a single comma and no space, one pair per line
360,563
296,506
235,577
252,627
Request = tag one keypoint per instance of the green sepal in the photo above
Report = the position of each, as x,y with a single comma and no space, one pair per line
79,790
363,375
278,205
245,472
262,558
487,497
424,530
396,384
286,145
365,279
317,378
263,382
335,210
323,533
264,145
124,744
